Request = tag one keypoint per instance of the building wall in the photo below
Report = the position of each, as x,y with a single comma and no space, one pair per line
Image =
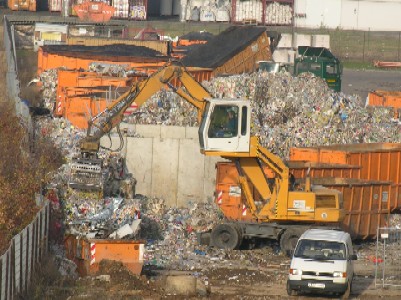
374,15
317,13
167,163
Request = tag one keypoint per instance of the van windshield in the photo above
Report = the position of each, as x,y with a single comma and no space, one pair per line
320,250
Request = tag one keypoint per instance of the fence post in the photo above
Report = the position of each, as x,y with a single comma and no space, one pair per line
363,49
12,269
1,277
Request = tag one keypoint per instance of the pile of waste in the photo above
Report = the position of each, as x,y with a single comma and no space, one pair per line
287,112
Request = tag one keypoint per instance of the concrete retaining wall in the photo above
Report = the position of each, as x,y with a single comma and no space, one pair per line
167,163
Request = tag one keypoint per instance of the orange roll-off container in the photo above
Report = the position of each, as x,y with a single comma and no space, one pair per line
228,193
88,253
74,61
375,161
366,203
79,109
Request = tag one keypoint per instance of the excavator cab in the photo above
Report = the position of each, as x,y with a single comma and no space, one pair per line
225,126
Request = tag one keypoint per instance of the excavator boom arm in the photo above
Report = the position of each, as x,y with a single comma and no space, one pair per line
140,92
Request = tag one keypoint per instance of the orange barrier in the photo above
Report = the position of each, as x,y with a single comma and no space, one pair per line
88,253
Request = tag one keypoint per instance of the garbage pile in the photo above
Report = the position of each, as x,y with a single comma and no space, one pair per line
287,111
303,112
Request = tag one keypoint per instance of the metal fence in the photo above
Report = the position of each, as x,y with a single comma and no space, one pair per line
357,46
388,255
13,84
26,249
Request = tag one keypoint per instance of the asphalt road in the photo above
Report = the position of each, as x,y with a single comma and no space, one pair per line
360,82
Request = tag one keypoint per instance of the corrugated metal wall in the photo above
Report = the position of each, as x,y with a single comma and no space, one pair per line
13,84
25,251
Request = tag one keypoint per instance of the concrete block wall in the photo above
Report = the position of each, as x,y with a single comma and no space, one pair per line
167,163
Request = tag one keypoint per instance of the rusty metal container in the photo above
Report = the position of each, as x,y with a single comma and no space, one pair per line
366,202
74,60
160,46
383,98
318,155
245,60
88,253
228,193
373,161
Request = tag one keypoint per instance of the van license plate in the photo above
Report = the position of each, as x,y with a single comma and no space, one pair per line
316,285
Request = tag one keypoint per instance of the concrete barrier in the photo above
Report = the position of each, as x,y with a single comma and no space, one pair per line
167,163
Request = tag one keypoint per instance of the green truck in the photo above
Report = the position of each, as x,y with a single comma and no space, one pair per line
317,60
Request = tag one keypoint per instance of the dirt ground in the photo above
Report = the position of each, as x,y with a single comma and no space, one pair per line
262,278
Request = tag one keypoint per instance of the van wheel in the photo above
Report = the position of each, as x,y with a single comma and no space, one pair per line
226,236
347,292
290,291
289,240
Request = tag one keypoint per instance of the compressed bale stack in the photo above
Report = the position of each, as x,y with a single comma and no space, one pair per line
279,14
205,11
251,11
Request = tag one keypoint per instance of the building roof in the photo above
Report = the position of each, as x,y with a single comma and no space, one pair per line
222,47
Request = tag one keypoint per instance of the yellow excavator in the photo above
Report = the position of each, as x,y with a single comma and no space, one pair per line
225,131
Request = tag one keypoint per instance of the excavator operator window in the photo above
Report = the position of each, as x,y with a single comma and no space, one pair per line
224,122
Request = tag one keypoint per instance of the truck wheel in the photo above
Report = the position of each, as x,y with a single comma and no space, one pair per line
289,240
226,236
290,291
347,292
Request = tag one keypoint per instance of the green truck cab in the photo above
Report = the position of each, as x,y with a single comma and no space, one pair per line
321,62
317,60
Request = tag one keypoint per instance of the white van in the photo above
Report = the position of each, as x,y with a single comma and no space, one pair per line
322,262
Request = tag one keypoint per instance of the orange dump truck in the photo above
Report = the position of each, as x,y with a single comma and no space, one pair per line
88,253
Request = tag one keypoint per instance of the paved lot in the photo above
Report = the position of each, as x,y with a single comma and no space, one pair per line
360,82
